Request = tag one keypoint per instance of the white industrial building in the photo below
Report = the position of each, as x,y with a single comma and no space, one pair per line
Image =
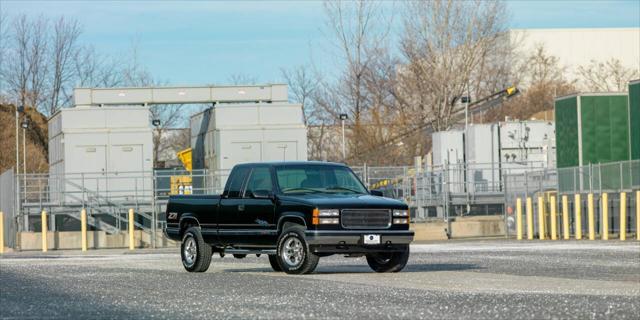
87,144
488,151
575,47
228,134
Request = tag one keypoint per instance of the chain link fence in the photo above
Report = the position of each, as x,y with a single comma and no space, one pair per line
556,189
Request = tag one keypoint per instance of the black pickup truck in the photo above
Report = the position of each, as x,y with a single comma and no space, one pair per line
294,212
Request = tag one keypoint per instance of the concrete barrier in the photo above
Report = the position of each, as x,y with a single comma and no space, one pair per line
461,227
62,240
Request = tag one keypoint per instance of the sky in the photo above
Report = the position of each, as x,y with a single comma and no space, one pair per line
208,42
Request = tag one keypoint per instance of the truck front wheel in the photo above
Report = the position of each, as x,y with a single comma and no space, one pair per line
388,261
294,256
195,253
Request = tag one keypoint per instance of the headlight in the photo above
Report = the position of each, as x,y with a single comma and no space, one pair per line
400,213
401,221
329,213
325,216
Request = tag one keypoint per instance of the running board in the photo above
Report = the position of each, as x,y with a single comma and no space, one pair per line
249,251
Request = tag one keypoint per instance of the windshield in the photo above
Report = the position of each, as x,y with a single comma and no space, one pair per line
317,179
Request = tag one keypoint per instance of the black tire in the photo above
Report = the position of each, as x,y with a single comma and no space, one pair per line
388,261
293,254
198,258
273,261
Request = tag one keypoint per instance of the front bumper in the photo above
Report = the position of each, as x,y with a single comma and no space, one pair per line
353,242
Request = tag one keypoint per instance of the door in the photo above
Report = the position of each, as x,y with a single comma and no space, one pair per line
91,161
257,218
125,168
230,203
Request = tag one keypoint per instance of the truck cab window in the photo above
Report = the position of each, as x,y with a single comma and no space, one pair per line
260,179
234,185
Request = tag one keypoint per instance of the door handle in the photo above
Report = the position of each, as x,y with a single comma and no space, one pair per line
241,207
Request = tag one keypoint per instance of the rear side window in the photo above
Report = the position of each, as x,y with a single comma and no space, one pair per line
234,185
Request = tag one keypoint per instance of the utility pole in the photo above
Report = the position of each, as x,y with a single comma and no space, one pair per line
17,208
343,117
25,125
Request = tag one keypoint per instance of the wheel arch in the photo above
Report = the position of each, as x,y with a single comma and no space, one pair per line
186,221
294,217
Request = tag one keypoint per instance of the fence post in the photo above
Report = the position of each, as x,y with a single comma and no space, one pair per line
519,218
541,231
578,212
604,204
565,217
623,216
83,228
554,222
591,217
637,215
131,247
43,223
1,232
529,219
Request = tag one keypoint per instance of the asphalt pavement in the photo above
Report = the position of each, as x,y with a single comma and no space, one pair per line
448,280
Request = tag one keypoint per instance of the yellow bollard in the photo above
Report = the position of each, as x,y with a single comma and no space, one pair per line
529,219
83,228
554,222
565,217
591,217
623,216
519,218
1,232
131,229
578,213
604,202
43,216
541,232
637,215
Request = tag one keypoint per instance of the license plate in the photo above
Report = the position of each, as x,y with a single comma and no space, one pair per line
371,239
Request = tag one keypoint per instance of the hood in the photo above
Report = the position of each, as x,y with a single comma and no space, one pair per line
339,201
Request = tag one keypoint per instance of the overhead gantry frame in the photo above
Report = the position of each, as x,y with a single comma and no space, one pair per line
87,97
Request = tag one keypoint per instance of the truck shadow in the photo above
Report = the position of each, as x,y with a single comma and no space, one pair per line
363,268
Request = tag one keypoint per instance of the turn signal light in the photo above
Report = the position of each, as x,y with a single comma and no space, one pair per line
314,218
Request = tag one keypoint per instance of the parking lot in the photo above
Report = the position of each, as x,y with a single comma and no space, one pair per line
457,280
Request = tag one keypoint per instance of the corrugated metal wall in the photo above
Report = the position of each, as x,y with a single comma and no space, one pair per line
605,131
634,119
566,115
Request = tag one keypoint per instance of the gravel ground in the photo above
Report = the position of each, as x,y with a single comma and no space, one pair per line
450,280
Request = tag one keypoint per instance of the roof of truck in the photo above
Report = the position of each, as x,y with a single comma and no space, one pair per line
277,163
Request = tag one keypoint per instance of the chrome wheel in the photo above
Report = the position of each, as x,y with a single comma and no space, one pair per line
190,251
292,252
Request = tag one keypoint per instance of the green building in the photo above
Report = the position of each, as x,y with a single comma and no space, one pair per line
596,129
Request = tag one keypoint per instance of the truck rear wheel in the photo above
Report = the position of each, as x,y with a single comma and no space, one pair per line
195,253
388,261
293,254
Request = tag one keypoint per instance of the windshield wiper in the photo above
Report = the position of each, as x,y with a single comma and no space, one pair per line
343,188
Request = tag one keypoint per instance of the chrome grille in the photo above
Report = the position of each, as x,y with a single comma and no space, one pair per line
365,218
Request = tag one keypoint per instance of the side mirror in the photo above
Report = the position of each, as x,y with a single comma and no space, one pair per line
262,194
376,193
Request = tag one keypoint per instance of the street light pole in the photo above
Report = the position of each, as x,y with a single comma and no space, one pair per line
17,207
343,117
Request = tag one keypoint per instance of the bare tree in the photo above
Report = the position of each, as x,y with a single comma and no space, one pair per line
64,49
242,79
606,76
543,79
449,47
303,86
95,70
360,30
